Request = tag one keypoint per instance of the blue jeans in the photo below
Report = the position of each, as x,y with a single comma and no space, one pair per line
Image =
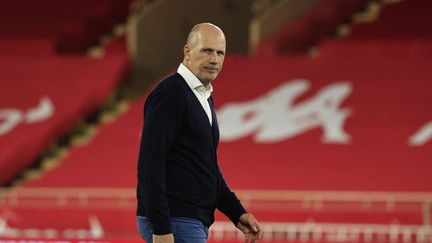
185,230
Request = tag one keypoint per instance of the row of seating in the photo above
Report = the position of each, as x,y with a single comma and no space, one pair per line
385,111
350,114
118,223
298,35
62,90
73,26
390,26
44,92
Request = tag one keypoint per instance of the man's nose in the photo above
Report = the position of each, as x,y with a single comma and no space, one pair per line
213,58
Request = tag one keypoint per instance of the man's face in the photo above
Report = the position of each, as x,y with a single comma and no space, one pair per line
204,56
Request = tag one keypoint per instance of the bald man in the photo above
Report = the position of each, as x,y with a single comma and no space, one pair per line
180,184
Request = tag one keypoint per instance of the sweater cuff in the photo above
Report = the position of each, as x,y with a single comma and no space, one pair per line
238,211
162,227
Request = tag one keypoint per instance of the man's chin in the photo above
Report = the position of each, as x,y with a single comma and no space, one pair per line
208,78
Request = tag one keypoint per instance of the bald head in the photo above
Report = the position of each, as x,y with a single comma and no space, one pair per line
204,51
198,29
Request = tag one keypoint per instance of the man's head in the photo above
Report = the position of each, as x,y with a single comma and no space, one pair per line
204,51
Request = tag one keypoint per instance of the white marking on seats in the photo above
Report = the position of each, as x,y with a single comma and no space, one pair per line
422,136
274,117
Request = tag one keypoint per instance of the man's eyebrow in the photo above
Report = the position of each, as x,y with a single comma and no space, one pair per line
211,49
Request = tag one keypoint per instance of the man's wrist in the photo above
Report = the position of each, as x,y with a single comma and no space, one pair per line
167,238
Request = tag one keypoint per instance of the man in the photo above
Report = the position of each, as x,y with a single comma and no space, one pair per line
179,181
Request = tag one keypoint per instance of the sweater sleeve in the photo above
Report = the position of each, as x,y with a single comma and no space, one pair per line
229,204
161,123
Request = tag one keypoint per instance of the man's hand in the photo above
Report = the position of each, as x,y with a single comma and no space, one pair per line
250,228
168,238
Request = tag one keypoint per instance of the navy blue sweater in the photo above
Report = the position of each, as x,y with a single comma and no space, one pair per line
178,174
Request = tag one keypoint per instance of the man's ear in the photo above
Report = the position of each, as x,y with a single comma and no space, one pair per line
186,51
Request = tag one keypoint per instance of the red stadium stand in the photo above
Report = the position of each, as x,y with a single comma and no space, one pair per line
73,25
43,95
390,25
61,90
378,158
378,48
115,46
331,149
16,47
108,214
123,136
297,36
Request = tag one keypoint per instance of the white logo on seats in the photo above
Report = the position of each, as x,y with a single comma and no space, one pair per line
12,117
95,231
274,117
422,136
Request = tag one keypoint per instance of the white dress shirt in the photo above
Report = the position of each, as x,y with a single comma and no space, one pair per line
201,92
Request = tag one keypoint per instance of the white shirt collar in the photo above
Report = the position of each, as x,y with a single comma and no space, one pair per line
193,82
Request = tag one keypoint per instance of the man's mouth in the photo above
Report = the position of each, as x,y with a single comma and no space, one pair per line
211,69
